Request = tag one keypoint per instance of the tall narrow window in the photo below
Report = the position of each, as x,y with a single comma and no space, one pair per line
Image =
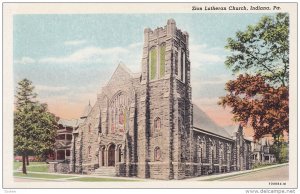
214,148
89,151
121,118
120,154
153,63
90,126
112,128
121,121
176,62
162,59
157,154
181,65
183,71
100,124
67,152
157,124
203,148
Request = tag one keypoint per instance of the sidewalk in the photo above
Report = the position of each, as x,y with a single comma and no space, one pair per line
231,174
201,178
74,176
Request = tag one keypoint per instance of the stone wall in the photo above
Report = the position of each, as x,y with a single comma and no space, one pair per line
216,161
56,167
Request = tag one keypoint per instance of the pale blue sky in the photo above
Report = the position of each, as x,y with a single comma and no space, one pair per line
69,57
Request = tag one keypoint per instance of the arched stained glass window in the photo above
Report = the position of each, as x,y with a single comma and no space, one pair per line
157,124
121,118
153,63
121,121
117,114
162,57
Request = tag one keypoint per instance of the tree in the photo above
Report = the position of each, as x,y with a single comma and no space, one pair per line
34,127
259,96
255,102
262,49
280,149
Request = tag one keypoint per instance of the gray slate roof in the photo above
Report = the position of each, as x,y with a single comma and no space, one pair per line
68,123
231,129
202,121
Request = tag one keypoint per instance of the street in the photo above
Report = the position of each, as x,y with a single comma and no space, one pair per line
273,174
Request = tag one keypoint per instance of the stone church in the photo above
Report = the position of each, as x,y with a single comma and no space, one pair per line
145,125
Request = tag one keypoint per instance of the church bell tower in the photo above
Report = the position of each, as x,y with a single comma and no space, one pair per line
165,116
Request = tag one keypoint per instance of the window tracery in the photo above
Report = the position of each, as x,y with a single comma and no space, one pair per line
118,112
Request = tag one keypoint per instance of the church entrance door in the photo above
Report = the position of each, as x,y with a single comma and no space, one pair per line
111,155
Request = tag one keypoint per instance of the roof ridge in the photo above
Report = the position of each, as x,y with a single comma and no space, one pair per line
203,121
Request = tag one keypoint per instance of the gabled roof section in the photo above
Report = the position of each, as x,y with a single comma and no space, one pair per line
86,111
202,121
231,129
123,70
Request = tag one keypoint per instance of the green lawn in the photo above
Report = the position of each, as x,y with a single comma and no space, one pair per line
42,166
242,174
46,176
95,179
57,177
17,165
262,165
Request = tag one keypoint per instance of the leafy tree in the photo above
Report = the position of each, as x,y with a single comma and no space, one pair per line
280,150
34,127
255,102
263,48
259,96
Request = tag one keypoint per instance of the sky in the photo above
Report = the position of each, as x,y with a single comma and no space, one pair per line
70,57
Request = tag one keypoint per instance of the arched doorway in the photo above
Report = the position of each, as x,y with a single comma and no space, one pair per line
111,155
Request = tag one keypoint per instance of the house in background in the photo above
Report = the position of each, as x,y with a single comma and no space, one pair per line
62,151
262,152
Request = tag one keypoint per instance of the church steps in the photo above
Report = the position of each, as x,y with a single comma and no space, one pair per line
105,171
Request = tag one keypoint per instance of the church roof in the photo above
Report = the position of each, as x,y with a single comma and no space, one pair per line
231,129
68,123
202,121
86,111
120,68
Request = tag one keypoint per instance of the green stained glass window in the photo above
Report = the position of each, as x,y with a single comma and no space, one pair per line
162,60
153,58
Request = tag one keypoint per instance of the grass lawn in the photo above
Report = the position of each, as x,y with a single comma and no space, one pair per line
95,179
43,166
17,165
255,166
46,176
84,179
242,174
